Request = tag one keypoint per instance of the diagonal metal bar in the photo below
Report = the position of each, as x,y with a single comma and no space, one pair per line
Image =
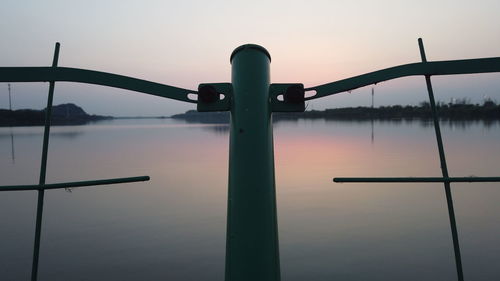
418,179
444,168
470,66
73,184
66,74
43,170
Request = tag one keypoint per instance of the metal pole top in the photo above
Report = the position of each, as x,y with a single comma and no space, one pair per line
247,47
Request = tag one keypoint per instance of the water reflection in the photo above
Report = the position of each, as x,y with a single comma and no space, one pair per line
218,129
223,128
173,227
12,145
425,123
35,131
373,130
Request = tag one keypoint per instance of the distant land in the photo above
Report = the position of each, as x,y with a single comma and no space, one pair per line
63,114
461,110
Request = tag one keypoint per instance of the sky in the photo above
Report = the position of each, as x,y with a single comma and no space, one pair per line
185,43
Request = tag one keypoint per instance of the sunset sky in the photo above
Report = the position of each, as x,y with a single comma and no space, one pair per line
184,43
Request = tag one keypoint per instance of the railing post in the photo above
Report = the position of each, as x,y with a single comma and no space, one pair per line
43,171
444,168
252,232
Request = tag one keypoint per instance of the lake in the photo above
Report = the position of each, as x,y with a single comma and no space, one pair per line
173,227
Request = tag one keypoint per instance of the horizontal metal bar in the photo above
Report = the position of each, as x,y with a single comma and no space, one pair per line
72,184
44,74
470,66
419,179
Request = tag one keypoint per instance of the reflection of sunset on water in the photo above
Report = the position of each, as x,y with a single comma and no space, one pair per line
179,216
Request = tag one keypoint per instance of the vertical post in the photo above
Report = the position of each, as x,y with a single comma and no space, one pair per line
252,232
444,168
43,171
10,99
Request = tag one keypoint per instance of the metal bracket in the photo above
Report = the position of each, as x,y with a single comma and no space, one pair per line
292,97
214,97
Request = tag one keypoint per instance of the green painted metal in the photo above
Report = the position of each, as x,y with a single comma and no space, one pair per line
444,168
417,179
43,74
471,66
252,232
72,184
218,104
43,171
287,104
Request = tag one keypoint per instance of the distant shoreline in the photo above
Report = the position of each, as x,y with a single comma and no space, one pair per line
141,117
489,110
70,114
63,114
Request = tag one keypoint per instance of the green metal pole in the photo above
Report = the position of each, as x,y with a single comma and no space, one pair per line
444,168
43,171
72,184
252,232
419,179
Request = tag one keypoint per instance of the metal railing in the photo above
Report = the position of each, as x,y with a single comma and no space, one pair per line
251,98
42,186
446,180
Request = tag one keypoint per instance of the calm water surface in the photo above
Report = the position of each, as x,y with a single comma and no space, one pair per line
173,227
